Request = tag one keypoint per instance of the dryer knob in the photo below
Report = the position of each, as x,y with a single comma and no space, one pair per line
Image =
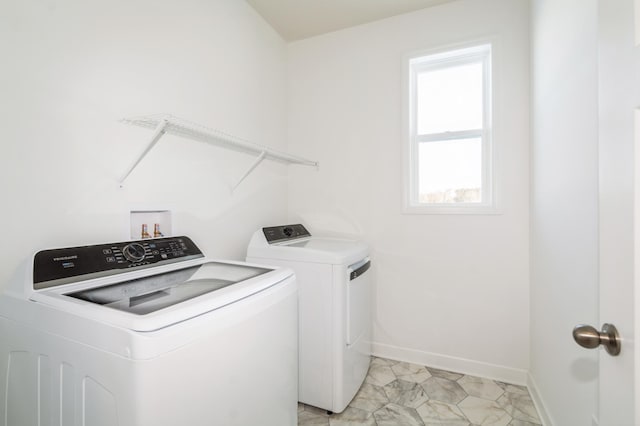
134,252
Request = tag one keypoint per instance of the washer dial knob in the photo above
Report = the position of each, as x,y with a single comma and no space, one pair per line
134,252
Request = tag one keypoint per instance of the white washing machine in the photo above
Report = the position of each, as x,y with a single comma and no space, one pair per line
334,297
148,333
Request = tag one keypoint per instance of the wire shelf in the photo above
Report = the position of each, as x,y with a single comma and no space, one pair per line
165,123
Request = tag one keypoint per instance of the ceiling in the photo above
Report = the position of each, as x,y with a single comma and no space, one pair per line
298,19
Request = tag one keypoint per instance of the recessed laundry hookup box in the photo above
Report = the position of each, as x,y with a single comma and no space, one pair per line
150,224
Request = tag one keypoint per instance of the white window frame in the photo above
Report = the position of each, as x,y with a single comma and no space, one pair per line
483,52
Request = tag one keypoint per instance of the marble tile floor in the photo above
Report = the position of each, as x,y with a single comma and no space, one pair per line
398,394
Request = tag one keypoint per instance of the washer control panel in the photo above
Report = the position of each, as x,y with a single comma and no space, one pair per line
65,265
278,234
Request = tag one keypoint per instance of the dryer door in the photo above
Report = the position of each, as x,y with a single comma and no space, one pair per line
358,301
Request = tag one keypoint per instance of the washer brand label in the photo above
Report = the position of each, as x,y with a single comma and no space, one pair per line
57,259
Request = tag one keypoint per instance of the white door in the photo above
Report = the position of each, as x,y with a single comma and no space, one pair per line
619,96
636,400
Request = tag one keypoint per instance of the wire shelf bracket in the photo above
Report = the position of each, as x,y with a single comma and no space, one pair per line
167,124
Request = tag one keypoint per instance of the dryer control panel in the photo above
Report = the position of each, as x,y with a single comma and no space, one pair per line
67,265
278,234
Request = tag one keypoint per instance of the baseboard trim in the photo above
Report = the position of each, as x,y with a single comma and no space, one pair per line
466,366
538,401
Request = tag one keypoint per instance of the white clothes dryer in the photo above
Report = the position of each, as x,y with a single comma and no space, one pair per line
334,297
148,333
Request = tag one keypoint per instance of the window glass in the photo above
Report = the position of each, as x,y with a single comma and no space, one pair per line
450,171
450,99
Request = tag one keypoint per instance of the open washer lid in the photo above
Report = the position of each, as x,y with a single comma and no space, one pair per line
150,293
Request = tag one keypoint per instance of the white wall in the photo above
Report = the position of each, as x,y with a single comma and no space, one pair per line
71,69
564,205
451,290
